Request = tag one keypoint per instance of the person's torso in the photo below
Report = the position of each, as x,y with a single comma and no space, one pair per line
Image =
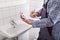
53,10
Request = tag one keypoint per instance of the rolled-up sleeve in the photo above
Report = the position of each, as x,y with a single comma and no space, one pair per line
42,23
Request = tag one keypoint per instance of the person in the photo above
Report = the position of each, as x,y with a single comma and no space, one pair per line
53,19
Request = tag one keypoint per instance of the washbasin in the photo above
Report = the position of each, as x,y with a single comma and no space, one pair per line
10,31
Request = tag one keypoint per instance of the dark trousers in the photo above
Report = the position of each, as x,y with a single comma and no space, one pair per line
45,35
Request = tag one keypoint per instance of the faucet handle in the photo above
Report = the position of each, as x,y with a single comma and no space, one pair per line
12,22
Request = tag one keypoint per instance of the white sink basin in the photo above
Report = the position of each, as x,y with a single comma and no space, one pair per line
10,31
9,10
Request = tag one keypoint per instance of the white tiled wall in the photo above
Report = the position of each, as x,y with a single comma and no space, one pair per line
12,12
8,13
36,4
11,0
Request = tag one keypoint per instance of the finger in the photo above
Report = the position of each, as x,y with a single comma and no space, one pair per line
33,11
21,14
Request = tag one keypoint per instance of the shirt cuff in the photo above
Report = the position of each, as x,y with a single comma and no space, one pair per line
33,23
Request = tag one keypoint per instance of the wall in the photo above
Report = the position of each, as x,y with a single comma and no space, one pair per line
35,5
10,9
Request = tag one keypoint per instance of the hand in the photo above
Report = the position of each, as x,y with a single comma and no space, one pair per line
21,15
25,19
33,14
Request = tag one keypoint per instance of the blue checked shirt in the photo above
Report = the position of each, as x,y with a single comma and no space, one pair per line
53,10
